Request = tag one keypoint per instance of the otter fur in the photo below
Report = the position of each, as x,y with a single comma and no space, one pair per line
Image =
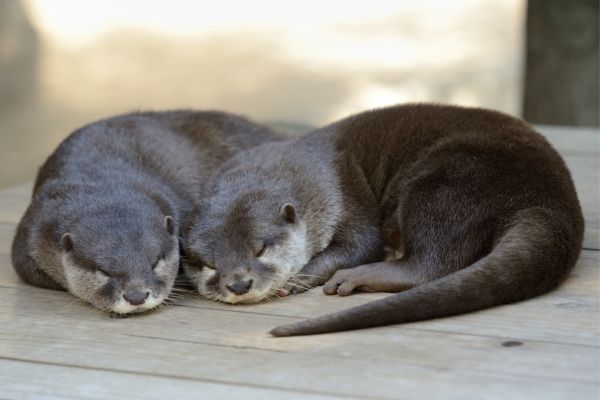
456,209
108,204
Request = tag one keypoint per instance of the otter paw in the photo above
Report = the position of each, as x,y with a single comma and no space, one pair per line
345,281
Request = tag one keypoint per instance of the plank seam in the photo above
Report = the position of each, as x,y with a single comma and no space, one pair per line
403,326
487,372
207,380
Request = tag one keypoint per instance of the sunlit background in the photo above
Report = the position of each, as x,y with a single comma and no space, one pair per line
67,62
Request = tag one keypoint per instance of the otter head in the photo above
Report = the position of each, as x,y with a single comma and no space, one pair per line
243,250
123,263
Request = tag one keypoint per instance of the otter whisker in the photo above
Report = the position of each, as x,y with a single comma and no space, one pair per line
77,300
311,276
297,280
299,284
180,290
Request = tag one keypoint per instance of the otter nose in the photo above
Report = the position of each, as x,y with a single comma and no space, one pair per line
135,297
241,287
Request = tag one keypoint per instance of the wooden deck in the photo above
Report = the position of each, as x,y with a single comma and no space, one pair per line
53,346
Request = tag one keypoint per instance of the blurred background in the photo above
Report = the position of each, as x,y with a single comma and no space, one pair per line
64,63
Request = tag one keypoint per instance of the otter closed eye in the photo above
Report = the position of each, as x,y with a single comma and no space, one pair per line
158,260
261,251
103,272
263,247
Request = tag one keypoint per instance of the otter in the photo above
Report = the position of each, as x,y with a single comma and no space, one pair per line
108,204
456,209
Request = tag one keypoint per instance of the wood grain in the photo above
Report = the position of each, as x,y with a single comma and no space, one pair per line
48,382
52,346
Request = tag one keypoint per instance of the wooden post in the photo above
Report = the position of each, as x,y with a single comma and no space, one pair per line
561,78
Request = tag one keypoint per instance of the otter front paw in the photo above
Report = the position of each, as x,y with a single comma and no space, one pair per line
377,277
345,281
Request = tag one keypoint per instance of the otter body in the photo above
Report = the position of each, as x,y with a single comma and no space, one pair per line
458,209
108,204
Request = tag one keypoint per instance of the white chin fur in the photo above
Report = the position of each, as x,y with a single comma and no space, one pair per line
291,255
251,297
124,307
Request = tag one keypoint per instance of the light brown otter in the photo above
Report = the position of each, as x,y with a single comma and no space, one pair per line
108,204
474,207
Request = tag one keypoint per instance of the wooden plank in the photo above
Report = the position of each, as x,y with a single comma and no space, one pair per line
567,315
7,232
572,141
22,191
570,313
245,327
579,293
127,345
586,175
561,40
202,343
25,380
580,147
13,206
8,277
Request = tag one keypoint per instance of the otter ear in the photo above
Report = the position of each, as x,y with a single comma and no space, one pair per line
67,242
170,225
288,212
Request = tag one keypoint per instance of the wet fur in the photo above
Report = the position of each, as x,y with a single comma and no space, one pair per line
110,185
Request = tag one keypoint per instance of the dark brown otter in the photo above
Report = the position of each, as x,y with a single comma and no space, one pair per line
474,208
108,204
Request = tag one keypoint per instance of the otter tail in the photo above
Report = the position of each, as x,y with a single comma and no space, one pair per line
531,257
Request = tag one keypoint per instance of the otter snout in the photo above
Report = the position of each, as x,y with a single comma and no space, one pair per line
241,287
136,297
